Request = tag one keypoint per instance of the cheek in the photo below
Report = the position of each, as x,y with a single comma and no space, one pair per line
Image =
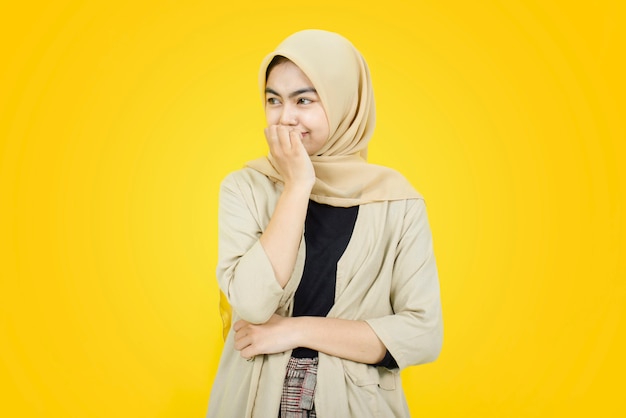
271,116
316,120
323,123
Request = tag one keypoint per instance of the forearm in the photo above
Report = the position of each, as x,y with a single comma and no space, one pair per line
351,340
348,339
281,238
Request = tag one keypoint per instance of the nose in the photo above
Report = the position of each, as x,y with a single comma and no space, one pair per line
288,116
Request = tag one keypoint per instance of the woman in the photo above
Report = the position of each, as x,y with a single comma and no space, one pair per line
326,260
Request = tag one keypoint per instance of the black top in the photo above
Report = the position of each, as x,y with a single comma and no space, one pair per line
327,232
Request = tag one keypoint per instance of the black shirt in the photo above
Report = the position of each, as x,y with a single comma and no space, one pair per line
327,232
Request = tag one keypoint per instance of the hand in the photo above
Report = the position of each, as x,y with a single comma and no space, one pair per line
274,336
291,158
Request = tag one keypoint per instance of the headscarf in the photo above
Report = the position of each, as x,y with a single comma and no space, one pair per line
342,80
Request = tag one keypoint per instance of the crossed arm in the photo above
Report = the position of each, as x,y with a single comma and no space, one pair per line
352,340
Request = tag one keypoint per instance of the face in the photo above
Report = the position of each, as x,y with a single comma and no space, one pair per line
291,100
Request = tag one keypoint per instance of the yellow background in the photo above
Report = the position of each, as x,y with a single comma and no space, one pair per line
118,119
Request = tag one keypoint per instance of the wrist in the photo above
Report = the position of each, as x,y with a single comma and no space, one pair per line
298,331
299,188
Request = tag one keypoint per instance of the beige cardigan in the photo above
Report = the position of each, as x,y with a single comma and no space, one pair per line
386,276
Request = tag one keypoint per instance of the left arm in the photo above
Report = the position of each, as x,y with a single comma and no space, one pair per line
347,339
413,334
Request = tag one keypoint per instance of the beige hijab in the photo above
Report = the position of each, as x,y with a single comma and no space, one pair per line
342,80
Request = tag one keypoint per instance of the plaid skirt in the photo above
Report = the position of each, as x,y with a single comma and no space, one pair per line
299,389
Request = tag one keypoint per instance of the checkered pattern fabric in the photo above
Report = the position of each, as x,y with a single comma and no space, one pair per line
299,389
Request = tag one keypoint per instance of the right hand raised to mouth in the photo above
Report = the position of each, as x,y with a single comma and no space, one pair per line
291,158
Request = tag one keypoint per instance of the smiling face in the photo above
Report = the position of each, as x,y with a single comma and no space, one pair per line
292,101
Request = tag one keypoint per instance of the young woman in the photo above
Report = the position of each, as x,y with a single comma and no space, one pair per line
326,260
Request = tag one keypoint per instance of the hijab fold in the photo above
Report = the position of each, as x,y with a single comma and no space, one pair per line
342,80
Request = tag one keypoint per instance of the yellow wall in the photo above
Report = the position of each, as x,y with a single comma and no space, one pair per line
119,118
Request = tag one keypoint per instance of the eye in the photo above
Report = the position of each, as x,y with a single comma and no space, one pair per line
272,101
304,101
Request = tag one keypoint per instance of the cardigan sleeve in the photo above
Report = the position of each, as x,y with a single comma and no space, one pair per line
413,334
244,272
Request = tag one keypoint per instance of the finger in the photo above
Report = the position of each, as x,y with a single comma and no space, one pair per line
242,343
295,139
284,137
271,136
271,133
273,141
243,337
242,334
240,324
248,354
239,335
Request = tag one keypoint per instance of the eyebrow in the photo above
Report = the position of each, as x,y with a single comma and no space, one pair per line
292,94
